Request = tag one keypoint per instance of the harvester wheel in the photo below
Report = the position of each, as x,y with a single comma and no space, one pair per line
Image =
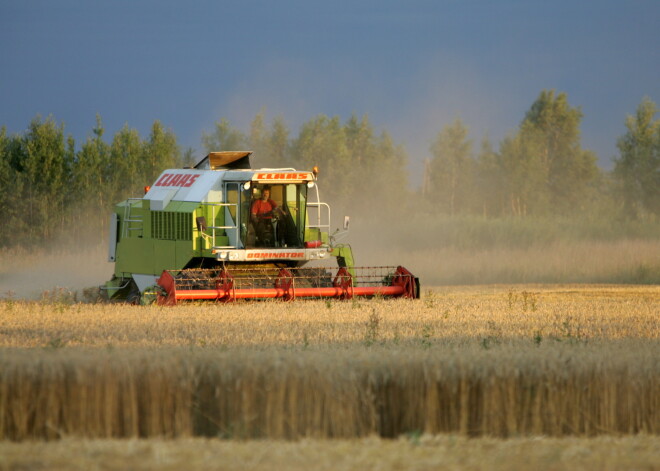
133,296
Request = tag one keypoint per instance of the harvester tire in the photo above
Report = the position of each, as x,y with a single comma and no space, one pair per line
134,295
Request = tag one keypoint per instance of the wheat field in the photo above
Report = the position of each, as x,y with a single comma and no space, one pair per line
462,364
465,316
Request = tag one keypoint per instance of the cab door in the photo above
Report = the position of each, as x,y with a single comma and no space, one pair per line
295,199
237,218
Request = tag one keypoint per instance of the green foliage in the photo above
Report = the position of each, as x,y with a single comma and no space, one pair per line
35,173
356,165
539,169
488,177
159,152
322,142
528,301
372,328
92,174
55,343
9,186
452,169
522,176
544,168
224,137
427,336
270,146
570,331
277,147
125,153
48,186
638,166
430,299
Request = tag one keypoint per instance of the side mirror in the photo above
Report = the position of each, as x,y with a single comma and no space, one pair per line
347,220
201,224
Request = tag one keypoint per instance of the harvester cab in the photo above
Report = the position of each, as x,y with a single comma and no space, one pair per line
223,231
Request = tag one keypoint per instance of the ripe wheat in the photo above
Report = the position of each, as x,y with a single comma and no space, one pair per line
498,361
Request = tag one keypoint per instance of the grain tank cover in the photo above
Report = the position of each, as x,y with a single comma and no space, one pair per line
182,185
226,160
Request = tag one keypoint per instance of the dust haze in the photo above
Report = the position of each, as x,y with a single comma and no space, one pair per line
34,274
443,89
425,244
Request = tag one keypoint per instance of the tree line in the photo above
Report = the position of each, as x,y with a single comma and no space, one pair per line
542,169
51,187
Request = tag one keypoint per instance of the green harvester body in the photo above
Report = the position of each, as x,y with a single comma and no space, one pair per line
201,219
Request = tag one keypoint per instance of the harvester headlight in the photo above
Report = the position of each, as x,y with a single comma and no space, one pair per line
223,255
318,254
246,185
310,184
233,255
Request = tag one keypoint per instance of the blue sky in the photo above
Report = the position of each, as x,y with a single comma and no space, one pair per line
412,66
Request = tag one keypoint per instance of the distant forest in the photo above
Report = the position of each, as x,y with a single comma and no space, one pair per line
52,188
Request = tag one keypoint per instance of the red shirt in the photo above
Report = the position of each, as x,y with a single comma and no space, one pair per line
261,206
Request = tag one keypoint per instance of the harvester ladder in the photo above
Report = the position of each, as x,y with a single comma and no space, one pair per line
130,219
318,205
213,229
321,223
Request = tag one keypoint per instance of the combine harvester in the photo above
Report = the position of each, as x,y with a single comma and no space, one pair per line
203,233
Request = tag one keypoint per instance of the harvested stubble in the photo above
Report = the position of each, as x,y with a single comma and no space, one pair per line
510,390
415,452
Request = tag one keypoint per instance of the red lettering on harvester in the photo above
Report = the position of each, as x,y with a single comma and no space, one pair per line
176,179
282,176
191,180
184,179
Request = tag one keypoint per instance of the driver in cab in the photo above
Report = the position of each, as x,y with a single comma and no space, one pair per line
262,213
263,208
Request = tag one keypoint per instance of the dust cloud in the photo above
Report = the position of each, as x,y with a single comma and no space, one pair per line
438,249
33,274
